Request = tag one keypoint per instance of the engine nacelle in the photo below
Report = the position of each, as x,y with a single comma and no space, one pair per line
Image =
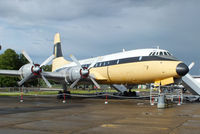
29,69
72,74
25,70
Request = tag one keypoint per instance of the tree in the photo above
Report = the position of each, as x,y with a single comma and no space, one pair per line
47,68
9,60
22,60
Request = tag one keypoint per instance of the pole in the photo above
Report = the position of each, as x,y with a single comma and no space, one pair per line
21,95
179,98
64,100
106,102
152,101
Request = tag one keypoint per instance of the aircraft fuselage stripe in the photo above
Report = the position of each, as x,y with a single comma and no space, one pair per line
128,60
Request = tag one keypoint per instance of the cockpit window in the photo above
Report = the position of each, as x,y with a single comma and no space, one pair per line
168,53
161,53
157,53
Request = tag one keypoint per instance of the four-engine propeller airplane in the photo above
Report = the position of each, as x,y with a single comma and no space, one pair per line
128,67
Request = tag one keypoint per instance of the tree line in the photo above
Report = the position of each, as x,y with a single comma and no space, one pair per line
10,60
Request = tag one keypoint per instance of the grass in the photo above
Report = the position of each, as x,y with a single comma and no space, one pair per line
73,91
79,91
29,93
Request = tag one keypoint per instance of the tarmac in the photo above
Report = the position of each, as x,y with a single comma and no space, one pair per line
47,115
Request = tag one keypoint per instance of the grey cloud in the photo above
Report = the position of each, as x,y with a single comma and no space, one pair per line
60,10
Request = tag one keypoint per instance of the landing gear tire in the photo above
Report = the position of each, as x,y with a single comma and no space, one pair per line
61,94
129,93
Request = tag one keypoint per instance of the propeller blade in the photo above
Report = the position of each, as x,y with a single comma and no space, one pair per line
76,61
191,65
95,83
47,60
75,82
27,56
93,63
46,81
25,79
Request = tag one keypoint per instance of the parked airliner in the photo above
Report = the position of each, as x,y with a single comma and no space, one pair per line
127,67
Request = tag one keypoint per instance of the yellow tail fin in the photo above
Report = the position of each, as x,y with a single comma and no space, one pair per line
59,60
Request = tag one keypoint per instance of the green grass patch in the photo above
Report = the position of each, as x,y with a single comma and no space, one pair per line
79,91
73,91
29,93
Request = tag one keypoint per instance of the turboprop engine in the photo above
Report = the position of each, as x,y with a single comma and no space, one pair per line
28,69
32,70
72,74
75,74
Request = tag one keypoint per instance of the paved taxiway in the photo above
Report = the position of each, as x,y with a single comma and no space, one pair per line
37,115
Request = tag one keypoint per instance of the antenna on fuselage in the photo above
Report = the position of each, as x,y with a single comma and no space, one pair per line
158,47
123,50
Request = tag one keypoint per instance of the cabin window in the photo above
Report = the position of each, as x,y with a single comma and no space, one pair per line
154,53
117,61
165,53
161,53
151,53
140,58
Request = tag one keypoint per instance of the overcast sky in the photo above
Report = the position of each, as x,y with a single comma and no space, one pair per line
91,28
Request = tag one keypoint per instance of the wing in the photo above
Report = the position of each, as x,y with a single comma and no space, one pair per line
195,76
54,75
50,75
10,72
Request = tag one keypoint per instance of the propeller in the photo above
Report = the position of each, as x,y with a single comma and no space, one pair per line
84,72
191,65
36,69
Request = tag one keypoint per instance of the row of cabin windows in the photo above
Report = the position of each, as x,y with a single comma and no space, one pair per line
159,53
101,64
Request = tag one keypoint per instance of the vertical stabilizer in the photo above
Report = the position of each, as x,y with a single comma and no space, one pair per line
57,46
59,60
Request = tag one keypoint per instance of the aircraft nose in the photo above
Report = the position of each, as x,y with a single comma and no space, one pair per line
182,69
